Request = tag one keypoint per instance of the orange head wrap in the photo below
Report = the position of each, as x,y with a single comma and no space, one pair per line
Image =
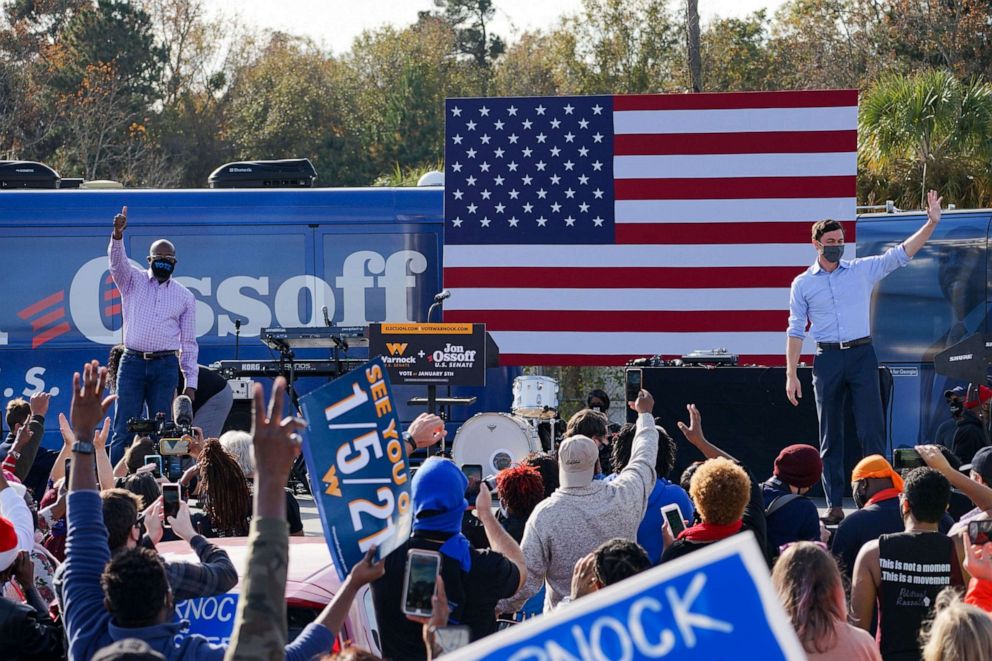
876,466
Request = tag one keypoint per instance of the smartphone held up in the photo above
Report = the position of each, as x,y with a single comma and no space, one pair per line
171,497
906,459
420,582
633,383
474,474
156,461
673,516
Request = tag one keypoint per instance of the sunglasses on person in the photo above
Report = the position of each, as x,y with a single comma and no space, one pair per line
782,548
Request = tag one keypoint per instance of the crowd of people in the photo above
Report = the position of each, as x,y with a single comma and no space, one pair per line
900,578
905,576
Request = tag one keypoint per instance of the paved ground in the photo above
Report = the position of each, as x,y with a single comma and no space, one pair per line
311,519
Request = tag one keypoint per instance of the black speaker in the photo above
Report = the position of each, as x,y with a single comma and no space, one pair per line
745,413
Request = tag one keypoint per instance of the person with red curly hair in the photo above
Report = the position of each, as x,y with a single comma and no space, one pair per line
520,489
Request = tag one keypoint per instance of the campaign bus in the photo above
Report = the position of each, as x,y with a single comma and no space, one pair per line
254,259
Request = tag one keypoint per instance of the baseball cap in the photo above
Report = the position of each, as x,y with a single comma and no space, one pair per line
981,463
959,391
577,457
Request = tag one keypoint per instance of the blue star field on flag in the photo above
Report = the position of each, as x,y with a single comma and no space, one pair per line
533,170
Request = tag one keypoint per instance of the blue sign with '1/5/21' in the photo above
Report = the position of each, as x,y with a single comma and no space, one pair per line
717,603
356,459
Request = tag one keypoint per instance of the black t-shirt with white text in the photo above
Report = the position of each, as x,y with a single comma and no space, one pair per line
914,568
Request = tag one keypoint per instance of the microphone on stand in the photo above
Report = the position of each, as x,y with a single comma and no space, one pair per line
182,411
327,319
439,299
237,338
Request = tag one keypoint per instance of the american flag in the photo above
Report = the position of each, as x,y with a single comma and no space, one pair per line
591,230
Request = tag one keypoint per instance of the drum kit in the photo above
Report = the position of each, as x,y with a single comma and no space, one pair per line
498,440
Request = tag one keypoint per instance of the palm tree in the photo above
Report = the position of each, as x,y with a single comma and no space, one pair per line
932,128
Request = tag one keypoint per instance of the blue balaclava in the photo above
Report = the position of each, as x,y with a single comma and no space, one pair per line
439,504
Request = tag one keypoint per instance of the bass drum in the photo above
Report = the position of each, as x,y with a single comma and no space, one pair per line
493,440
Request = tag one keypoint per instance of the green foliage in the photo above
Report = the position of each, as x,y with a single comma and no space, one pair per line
927,130
399,80
736,55
470,21
113,32
617,47
87,75
527,69
281,105
154,92
406,176
821,44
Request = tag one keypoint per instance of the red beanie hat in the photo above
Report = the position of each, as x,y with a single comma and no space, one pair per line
799,465
8,543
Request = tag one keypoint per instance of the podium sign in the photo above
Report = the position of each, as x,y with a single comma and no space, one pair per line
431,354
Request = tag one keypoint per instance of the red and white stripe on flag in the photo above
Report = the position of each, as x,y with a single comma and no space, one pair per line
713,199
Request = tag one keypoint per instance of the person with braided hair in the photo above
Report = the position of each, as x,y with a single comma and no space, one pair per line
239,445
223,492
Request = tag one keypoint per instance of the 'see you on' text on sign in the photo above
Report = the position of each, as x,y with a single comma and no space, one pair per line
356,459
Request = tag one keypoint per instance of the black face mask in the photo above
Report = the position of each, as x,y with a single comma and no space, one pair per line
832,253
859,496
162,269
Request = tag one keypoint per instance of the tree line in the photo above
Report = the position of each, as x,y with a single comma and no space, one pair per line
157,93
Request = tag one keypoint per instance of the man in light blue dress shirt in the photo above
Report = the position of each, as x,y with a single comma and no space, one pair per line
833,296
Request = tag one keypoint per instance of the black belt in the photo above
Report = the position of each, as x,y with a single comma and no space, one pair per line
150,355
850,344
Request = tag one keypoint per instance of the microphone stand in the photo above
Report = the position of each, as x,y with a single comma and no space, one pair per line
431,388
237,338
430,310
338,344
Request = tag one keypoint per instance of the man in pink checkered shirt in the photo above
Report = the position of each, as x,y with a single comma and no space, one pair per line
159,335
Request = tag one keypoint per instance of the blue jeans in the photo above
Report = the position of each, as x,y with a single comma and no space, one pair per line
141,382
837,372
